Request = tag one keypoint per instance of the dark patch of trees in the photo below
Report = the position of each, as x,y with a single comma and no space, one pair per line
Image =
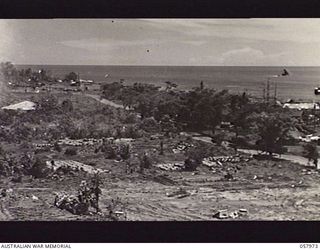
72,76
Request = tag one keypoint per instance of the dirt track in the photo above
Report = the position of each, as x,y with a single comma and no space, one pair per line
105,101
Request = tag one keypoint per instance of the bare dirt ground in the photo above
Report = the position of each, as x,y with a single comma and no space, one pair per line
267,189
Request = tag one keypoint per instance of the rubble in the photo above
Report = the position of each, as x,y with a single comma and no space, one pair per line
71,165
243,211
181,146
6,192
70,203
92,141
171,166
179,194
224,214
123,140
221,214
43,145
88,196
219,160
35,198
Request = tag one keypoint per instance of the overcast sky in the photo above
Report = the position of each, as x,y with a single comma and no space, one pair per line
230,42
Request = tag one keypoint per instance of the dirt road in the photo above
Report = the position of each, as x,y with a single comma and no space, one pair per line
105,101
293,158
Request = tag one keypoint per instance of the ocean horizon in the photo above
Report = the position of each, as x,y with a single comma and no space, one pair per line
299,85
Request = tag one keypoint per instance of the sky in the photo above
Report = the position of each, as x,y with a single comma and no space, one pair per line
185,42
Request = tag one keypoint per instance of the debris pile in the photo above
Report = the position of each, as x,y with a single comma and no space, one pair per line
70,203
219,160
81,142
224,214
174,166
43,145
88,196
123,140
181,146
179,194
6,192
70,165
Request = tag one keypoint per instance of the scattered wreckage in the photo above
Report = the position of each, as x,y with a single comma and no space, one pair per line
182,146
179,194
85,142
71,165
225,214
173,166
219,160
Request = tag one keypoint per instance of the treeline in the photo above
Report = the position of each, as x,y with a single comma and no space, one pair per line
11,74
202,109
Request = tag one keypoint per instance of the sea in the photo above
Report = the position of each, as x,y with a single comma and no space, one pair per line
298,85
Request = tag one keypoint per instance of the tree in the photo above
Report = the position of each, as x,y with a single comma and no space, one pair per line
272,128
109,90
39,169
239,110
9,71
167,125
310,152
72,76
144,106
96,191
205,108
47,103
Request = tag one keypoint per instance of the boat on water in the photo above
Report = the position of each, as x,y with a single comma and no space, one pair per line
317,91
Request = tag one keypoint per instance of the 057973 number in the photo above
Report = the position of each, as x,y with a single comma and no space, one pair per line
308,245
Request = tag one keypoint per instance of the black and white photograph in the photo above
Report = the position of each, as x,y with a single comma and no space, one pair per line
166,119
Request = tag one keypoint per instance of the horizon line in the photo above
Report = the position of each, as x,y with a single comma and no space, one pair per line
141,65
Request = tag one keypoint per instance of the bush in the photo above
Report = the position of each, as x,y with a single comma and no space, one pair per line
198,152
310,151
109,150
71,151
124,151
132,132
57,147
145,162
191,164
130,118
150,125
39,169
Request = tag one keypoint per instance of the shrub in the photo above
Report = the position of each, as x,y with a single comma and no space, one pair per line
310,151
57,147
39,169
132,132
124,151
71,151
130,118
198,152
191,164
149,125
109,150
145,162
